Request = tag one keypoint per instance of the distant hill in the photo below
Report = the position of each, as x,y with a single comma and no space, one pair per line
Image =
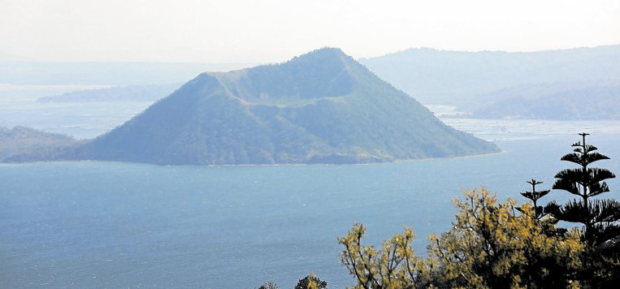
528,91
150,93
321,107
555,102
453,77
38,145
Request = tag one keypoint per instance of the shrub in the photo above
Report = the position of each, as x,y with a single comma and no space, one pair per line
311,282
491,245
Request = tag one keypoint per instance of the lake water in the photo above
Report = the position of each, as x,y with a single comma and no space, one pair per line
105,224
19,107
97,224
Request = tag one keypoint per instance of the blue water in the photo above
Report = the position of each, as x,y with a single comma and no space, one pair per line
98,224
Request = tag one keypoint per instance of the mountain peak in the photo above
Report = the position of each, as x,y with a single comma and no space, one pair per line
320,107
326,72
322,55
326,51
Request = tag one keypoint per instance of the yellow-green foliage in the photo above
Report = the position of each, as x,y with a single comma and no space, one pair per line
491,245
311,282
394,265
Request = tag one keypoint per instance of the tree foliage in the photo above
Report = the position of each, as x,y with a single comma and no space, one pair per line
600,218
534,196
269,285
394,265
491,245
311,282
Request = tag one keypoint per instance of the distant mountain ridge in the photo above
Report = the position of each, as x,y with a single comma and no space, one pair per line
146,93
457,77
568,102
321,107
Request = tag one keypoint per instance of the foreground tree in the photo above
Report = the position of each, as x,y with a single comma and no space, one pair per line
600,217
394,265
534,196
269,285
311,282
489,246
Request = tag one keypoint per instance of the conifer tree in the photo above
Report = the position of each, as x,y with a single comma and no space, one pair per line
600,218
534,196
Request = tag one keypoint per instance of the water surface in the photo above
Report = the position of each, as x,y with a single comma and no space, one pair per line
104,224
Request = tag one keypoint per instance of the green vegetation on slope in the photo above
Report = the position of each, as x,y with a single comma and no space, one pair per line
322,107
22,140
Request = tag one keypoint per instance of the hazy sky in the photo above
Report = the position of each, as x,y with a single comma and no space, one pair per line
275,30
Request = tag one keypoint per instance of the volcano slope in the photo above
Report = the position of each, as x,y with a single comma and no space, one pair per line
321,107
